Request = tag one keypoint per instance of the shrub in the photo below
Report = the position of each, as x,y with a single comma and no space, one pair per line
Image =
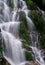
31,5
38,20
29,56
22,18
23,31
40,3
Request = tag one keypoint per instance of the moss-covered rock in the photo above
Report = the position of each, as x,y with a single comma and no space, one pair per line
38,20
31,5
40,3
22,18
39,23
23,31
29,56
24,35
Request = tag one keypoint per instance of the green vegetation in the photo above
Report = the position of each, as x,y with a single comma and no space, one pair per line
42,41
40,3
39,22
31,5
22,18
1,49
11,4
43,2
24,35
29,56
23,31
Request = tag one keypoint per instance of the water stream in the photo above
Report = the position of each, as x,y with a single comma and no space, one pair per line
9,24
13,51
35,47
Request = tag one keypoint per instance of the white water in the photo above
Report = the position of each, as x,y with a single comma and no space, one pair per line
35,47
13,48
9,25
38,56
34,38
13,51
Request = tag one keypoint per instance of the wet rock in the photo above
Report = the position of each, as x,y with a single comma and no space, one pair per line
32,63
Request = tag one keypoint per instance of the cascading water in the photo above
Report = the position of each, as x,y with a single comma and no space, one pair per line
13,49
9,25
35,47
34,37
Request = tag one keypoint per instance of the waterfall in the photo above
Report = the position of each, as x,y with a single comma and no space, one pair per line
9,25
33,35
35,47
13,51
13,48
38,56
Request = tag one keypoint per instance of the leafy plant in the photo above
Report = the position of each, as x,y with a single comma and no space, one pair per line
31,5
29,56
23,31
38,20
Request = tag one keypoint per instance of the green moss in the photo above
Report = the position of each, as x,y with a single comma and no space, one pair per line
43,2
31,5
29,56
24,33
22,18
42,41
38,20
11,4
